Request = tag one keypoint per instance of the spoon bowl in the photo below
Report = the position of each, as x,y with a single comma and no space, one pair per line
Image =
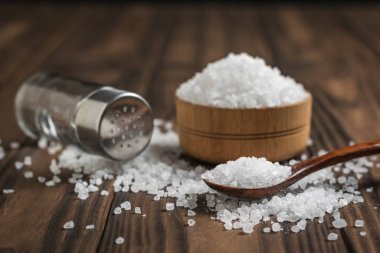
301,170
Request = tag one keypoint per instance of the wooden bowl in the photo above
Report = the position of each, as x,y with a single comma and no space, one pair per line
218,135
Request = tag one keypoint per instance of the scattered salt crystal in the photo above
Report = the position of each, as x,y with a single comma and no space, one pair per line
126,205
369,189
304,157
42,143
332,237
28,160
190,222
19,165
339,223
169,206
8,191
156,198
28,174
119,240
69,225
190,213
14,145
248,172
295,229
41,179
266,230
310,142
359,223
137,209
56,179
276,227
248,228
302,224
117,210
83,195
104,193
363,233
342,179
228,226
92,226
50,183
241,81
93,188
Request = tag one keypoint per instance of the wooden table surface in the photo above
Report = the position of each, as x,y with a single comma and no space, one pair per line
150,49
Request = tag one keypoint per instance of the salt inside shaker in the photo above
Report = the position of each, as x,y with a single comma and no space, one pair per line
100,119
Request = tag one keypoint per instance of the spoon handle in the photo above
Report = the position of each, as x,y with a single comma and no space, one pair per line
304,168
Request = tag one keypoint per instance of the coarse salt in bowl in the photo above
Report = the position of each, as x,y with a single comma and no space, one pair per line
239,106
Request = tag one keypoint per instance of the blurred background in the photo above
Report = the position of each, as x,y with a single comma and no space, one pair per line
151,48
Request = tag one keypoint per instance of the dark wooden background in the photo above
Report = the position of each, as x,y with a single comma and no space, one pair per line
150,49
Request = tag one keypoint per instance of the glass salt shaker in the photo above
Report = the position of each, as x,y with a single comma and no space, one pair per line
100,119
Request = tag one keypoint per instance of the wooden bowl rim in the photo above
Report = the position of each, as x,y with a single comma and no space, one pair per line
299,103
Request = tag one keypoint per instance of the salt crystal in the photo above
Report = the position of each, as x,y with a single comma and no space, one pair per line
104,193
126,205
156,198
117,210
42,143
310,142
369,189
50,183
295,229
137,210
93,188
169,206
28,174
248,229
14,145
8,191
119,240
332,237
190,213
28,160
248,172
339,223
19,165
304,157
83,195
363,233
41,179
359,223
241,81
266,230
228,226
92,226
276,227
56,179
190,222
69,225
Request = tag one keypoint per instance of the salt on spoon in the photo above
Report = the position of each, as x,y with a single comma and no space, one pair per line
256,177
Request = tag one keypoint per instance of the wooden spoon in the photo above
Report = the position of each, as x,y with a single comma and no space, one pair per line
301,170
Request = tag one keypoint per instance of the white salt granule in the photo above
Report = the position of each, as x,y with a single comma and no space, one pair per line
138,210
41,179
359,223
248,229
191,213
248,172
119,240
156,198
56,179
276,227
332,237
42,143
363,233
295,229
28,160
369,189
241,81
8,191
190,222
104,193
266,230
126,205
14,145
50,183
339,223
91,226
169,206
69,225
93,188
28,174
19,165
117,210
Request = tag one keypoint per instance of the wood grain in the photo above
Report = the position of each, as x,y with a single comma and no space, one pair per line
150,49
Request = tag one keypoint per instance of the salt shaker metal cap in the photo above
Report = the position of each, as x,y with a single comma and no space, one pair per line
100,119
